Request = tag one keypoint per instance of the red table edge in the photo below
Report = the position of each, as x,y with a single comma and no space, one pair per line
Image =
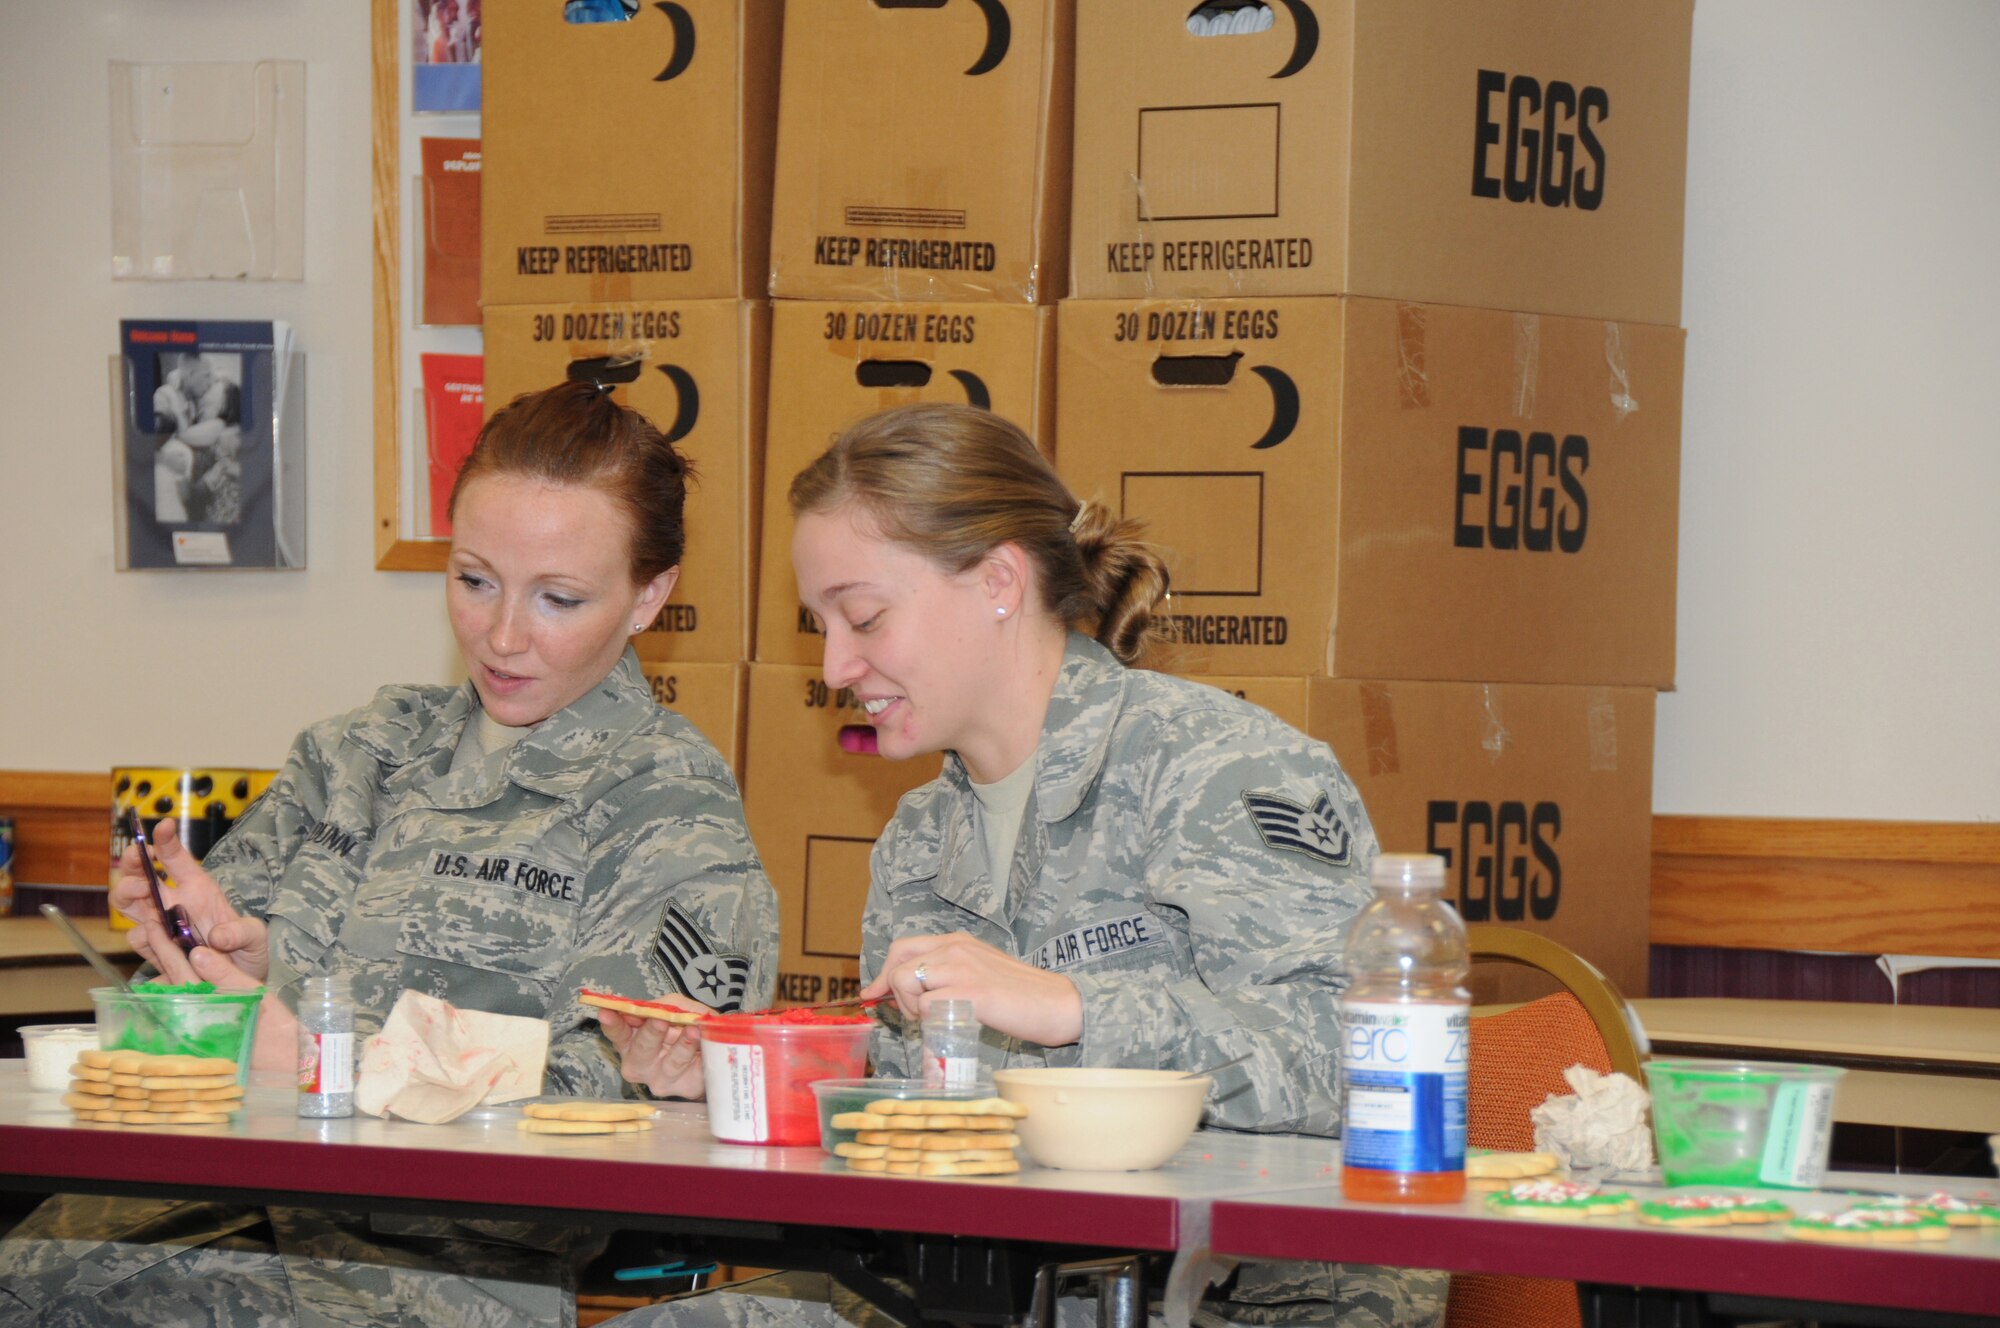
597,1186
1780,1269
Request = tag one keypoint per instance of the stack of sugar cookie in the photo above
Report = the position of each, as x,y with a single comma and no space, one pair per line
924,1137
586,1117
131,1088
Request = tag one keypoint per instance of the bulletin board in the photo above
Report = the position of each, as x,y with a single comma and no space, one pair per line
404,540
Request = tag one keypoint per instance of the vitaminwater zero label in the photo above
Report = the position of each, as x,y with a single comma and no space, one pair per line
1795,1145
737,1107
1404,1067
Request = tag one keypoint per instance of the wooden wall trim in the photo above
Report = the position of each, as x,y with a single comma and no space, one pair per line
62,825
1856,887
54,789
1846,841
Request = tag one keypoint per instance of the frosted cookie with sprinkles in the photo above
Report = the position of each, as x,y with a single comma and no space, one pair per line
1869,1226
1711,1210
1977,1210
1558,1200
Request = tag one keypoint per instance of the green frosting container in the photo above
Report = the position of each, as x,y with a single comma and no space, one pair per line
192,1020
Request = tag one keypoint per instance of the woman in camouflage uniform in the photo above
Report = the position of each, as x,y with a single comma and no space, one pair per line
1116,866
499,844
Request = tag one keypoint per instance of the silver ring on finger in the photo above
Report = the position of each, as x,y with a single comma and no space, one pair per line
923,982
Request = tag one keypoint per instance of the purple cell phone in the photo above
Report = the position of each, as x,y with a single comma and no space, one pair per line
180,927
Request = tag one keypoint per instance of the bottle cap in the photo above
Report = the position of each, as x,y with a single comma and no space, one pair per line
953,1011
1408,871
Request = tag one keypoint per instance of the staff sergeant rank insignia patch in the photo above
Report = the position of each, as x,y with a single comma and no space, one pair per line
716,980
1316,831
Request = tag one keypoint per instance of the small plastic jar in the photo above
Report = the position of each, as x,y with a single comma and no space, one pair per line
758,1070
51,1050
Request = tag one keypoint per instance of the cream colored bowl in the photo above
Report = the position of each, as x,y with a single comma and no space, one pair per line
1104,1120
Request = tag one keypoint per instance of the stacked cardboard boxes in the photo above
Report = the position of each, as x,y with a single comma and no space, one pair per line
1373,322
606,256
917,240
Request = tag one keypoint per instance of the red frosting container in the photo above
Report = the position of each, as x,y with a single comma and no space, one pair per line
759,1070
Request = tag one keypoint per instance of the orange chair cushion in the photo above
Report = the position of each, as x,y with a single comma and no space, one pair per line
1518,1059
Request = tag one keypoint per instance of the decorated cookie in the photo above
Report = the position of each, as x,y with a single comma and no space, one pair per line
1711,1210
1558,1200
638,1009
1972,1211
1869,1226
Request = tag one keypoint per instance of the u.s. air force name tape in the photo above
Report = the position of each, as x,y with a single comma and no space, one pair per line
1097,940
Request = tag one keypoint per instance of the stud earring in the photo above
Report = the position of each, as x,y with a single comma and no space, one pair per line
1000,610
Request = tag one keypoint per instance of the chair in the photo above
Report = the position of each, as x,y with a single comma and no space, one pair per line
1517,1059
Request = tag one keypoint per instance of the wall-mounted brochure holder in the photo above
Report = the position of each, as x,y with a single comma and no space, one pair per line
208,445
208,170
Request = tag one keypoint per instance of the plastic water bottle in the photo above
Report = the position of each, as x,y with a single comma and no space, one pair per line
951,1045
1405,1018
326,1048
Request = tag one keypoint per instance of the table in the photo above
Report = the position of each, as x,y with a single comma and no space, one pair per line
42,974
1957,1276
1927,1066
1253,1196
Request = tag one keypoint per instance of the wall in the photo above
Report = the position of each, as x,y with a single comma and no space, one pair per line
1839,617
100,667
1840,566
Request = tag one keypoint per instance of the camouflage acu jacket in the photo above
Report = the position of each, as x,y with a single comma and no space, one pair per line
606,849
1188,860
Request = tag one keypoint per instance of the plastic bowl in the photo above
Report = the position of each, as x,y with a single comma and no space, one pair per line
838,1095
759,1071
217,1023
1104,1120
51,1050
1742,1122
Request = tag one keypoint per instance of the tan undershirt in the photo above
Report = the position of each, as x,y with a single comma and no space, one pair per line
484,735
998,811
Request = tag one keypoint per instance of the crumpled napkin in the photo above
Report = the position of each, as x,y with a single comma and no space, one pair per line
433,1062
1602,1125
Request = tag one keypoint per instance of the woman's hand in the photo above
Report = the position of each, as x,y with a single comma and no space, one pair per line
1007,994
234,942
664,1057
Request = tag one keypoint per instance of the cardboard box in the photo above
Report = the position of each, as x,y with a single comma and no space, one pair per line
815,811
696,369
923,151
712,697
1372,490
1515,154
628,161
1540,799
833,364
